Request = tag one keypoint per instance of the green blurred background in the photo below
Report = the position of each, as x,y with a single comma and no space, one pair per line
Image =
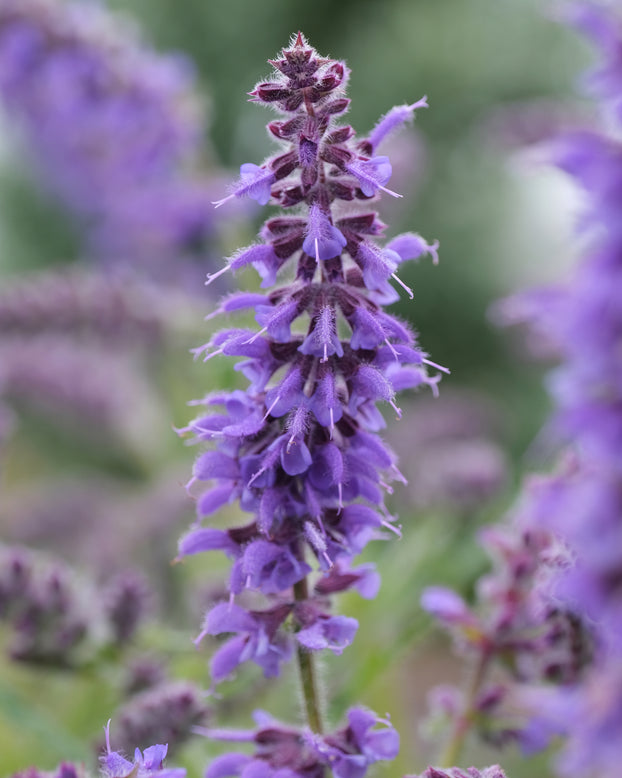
503,224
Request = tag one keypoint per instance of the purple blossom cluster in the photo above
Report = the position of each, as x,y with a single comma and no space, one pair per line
299,448
115,126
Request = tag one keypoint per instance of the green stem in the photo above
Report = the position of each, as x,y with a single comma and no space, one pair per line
307,670
463,723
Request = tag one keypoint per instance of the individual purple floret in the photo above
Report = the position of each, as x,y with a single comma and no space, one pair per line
115,126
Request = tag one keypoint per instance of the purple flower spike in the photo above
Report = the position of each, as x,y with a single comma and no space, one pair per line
323,241
299,448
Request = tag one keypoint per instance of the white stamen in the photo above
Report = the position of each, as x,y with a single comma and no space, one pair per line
255,336
213,354
325,357
213,276
332,422
218,203
390,192
386,487
317,251
409,291
438,367
393,528
269,411
397,410
393,351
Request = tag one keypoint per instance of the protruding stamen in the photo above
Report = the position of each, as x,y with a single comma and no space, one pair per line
438,367
317,251
213,276
409,291
390,192
216,353
218,203
393,351
399,475
331,413
388,489
325,357
397,410
255,336
393,528
270,409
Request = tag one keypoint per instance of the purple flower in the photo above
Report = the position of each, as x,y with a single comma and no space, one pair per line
332,632
257,639
391,121
255,182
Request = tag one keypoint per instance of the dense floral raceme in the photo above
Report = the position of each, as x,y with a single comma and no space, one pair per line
580,505
116,127
299,448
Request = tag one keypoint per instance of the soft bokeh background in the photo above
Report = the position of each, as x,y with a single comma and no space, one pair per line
498,74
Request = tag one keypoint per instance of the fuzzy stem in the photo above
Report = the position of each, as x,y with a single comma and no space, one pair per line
462,725
306,666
